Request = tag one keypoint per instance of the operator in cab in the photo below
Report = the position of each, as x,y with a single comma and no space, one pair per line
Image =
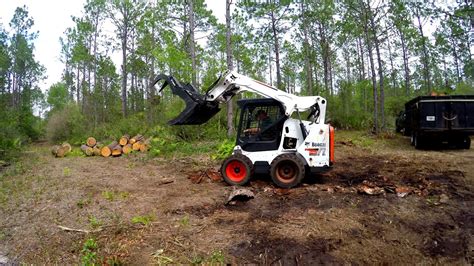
263,120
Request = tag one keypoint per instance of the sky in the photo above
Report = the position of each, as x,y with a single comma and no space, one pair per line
52,18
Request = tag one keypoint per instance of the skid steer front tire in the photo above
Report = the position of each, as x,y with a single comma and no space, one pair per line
237,170
287,170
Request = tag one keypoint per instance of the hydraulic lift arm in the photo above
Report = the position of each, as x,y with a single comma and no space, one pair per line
200,108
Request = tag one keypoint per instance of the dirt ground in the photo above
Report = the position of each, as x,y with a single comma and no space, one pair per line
330,218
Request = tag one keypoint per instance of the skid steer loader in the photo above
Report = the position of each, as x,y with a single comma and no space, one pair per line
269,140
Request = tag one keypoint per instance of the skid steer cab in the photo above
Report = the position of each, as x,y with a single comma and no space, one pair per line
269,139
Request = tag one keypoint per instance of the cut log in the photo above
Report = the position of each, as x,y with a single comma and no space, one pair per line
59,151
136,146
145,145
54,149
96,150
124,140
135,139
67,146
91,142
117,150
127,149
88,151
106,151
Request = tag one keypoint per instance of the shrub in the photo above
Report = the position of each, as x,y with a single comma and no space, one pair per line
68,124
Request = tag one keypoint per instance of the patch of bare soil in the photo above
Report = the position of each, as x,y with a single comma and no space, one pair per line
393,205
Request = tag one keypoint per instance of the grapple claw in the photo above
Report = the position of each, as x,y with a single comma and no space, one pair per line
197,111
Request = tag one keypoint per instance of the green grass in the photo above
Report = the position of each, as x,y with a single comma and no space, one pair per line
94,222
184,222
366,140
89,252
143,220
217,256
115,195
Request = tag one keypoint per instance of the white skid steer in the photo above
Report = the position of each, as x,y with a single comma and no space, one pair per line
269,140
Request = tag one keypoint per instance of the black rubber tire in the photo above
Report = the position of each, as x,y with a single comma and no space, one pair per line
287,170
241,161
417,142
466,143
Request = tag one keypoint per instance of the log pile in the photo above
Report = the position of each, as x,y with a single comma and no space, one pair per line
61,150
125,145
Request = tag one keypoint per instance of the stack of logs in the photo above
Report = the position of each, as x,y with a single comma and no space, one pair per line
125,145
61,150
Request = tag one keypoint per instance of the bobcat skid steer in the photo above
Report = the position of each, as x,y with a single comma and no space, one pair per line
269,140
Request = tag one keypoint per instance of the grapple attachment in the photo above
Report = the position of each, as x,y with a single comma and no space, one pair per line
197,111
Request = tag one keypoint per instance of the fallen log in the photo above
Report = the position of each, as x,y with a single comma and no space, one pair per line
106,151
136,146
145,145
88,151
135,139
67,146
96,150
127,149
117,150
91,141
124,140
59,151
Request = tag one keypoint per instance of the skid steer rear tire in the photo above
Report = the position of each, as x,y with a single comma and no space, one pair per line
237,170
287,170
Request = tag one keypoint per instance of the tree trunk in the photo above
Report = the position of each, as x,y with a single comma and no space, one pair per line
380,70
456,58
230,66
425,58
191,43
276,44
325,56
405,62
372,68
307,52
124,69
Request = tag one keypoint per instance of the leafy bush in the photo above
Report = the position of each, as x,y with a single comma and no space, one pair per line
224,150
67,125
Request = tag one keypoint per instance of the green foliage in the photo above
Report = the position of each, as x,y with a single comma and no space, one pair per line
217,257
115,195
67,125
58,96
89,253
224,150
94,222
144,220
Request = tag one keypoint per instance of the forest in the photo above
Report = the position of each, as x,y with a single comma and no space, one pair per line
366,57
